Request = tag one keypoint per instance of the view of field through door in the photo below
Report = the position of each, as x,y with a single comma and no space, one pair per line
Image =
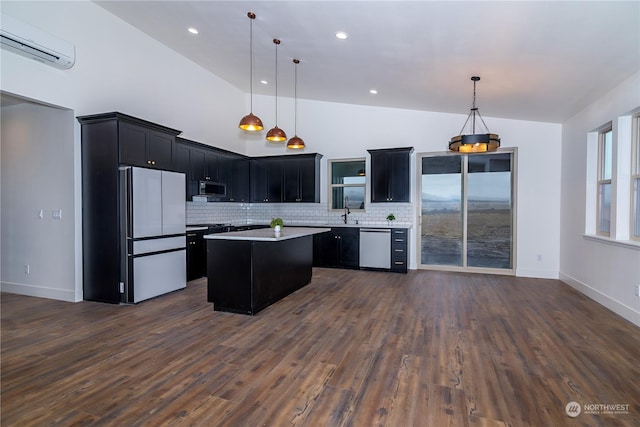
467,212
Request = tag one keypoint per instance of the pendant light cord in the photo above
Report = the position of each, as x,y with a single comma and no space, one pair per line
251,16
277,42
295,98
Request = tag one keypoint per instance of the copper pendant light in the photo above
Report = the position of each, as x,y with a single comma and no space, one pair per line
250,122
276,134
474,142
296,142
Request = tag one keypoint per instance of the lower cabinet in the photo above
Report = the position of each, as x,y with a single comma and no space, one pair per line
399,248
338,248
196,255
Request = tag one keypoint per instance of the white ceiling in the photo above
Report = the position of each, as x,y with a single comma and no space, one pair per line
538,60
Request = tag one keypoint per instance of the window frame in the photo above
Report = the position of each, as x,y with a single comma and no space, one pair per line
634,213
602,181
331,185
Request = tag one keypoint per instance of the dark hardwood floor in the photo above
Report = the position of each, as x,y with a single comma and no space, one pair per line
353,348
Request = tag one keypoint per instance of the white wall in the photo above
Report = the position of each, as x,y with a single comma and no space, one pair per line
37,174
604,271
119,68
344,131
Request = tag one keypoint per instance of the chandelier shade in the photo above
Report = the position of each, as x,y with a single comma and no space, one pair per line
473,142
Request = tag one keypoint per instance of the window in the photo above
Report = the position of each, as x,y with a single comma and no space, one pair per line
605,163
467,211
635,181
347,186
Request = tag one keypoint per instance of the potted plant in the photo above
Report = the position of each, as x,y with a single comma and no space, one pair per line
390,217
276,224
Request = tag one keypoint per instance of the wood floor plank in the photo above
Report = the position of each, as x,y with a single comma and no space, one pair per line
352,348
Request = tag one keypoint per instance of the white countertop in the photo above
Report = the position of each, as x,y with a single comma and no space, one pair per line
194,228
268,234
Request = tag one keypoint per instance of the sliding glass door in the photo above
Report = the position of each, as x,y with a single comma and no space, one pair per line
467,212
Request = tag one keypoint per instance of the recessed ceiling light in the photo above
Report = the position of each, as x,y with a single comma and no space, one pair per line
373,91
341,35
193,30
264,82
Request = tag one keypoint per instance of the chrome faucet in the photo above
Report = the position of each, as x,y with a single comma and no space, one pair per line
346,209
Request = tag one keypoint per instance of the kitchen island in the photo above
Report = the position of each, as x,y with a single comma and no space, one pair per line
250,270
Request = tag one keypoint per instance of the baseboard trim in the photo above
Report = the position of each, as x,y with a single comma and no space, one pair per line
617,307
537,274
38,291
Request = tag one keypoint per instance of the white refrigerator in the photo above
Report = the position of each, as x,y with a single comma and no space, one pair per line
153,224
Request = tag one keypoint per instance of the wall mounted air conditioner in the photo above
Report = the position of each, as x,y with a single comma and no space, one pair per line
24,39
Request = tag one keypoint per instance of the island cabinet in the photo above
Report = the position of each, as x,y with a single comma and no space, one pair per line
301,178
266,179
340,248
196,255
390,175
252,269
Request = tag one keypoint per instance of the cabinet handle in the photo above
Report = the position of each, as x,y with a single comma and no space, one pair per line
399,240
399,263
399,250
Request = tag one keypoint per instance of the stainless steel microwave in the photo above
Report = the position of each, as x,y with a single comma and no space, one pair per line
212,189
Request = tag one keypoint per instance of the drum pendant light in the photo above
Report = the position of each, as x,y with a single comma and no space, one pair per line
276,134
474,142
250,122
295,143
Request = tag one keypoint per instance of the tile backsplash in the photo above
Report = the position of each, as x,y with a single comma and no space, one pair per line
295,213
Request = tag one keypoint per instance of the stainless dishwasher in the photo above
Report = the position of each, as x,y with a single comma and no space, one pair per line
375,248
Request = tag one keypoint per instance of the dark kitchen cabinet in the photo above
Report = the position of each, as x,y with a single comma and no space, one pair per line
390,176
196,255
266,180
204,165
301,178
141,146
202,162
338,248
399,250
109,141
238,184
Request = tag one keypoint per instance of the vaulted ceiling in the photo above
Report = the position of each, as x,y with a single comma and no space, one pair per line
538,60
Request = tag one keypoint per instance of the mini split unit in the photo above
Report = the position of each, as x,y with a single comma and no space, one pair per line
26,40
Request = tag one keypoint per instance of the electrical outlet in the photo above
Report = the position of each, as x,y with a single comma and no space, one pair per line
27,269
638,291
57,214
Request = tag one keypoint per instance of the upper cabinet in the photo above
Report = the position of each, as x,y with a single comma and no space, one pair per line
143,146
290,179
301,178
266,180
203,163
136,141
390,176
